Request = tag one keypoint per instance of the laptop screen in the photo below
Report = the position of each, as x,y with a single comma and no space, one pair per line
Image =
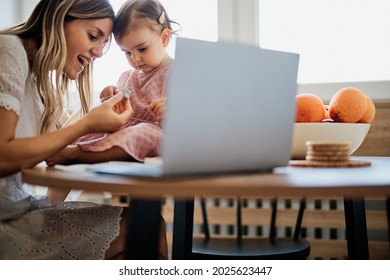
230,107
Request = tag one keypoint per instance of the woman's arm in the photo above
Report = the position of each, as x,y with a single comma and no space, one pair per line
18,153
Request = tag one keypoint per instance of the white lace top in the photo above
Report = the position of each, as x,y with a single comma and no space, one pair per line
17,93
31,228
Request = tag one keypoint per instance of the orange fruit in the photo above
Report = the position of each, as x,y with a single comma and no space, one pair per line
370,114
348,105
309,108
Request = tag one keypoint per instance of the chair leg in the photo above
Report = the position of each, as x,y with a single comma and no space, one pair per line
298,225
272,229
204,217
239,221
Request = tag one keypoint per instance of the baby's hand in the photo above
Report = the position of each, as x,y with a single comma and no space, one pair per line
108,92
158,107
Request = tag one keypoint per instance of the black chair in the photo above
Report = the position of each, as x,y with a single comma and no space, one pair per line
271,247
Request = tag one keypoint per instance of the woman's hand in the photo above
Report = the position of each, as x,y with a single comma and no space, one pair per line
110,116
108,92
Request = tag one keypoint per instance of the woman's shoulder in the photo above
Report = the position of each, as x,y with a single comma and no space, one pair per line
11,44
13,53
14,70
7,39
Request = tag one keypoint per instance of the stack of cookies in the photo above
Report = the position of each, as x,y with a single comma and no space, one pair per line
327,151
327,154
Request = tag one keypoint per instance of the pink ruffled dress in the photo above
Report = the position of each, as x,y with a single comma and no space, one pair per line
142,134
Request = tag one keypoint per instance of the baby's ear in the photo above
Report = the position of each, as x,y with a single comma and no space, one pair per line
166,36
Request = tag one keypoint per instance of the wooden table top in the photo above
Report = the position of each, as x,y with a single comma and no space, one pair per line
282,181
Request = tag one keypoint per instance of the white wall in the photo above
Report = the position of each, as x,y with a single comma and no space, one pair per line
8,13
15,11
238,21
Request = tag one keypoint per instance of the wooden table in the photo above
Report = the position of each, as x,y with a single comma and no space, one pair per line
146,193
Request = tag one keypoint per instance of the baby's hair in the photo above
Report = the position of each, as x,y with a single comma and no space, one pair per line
140,13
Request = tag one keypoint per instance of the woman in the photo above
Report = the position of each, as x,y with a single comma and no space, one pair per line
38,60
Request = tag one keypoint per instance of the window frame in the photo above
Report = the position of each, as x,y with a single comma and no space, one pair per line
238,21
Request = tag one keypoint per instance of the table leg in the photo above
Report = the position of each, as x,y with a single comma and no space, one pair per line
182,229
356,228
143,229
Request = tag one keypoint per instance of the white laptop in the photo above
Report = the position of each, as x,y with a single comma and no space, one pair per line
230,108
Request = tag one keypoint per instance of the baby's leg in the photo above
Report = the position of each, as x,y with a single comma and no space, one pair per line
114,153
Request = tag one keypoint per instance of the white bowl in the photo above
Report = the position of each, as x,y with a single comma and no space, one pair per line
354,133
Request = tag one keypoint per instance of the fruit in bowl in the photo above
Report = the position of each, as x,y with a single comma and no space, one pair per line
347,118
309,108
348,105
353,133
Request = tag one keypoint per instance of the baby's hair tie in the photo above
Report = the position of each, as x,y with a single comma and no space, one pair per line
161,18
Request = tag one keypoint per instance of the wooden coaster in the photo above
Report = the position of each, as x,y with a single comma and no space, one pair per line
327,154
311,163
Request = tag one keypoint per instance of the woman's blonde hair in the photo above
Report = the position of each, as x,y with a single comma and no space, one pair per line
45,27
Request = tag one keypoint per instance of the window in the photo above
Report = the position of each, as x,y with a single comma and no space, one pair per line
195,20
338,40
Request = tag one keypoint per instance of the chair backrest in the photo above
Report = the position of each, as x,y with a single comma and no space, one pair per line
272,247
272,227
